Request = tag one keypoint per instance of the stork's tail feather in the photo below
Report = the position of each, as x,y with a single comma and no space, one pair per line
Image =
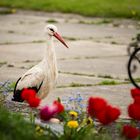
17,96
17,93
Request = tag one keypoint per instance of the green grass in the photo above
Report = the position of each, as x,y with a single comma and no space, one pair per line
6,11
75,85
2,63
11,31
79,74
108,82
103,21
136,80
12,85
51,21
71,38
102,8
105,76
14,127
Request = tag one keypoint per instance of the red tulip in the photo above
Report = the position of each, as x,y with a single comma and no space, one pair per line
27,93
34,102
137,100
134,111
113,113
102,117
90,109
130,132
59,107
135,92
95,105
48,112
109,115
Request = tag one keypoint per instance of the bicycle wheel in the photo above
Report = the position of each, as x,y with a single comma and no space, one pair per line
134,68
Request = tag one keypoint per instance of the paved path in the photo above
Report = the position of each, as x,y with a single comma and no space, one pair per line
97,53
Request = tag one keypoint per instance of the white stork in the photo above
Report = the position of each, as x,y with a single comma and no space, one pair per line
42,77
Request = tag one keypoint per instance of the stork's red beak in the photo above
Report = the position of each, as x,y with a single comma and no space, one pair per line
60,39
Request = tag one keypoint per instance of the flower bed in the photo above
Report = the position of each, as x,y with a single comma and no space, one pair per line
71,119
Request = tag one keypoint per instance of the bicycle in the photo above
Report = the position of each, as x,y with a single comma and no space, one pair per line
134,62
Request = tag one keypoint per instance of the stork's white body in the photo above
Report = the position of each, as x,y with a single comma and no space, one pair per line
45,72
42,77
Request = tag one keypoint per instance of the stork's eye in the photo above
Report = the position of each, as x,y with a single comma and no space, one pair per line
51,29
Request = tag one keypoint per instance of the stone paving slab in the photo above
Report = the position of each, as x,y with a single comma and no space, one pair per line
13,73
115,66
89,49
21,52
32,26
71,80
77,50
98,58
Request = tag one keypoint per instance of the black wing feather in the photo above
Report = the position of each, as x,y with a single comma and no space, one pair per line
17,93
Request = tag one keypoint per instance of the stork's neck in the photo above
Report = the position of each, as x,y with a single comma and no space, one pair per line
49,50
49,56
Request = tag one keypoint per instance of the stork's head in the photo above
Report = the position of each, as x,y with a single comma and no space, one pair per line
51,30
